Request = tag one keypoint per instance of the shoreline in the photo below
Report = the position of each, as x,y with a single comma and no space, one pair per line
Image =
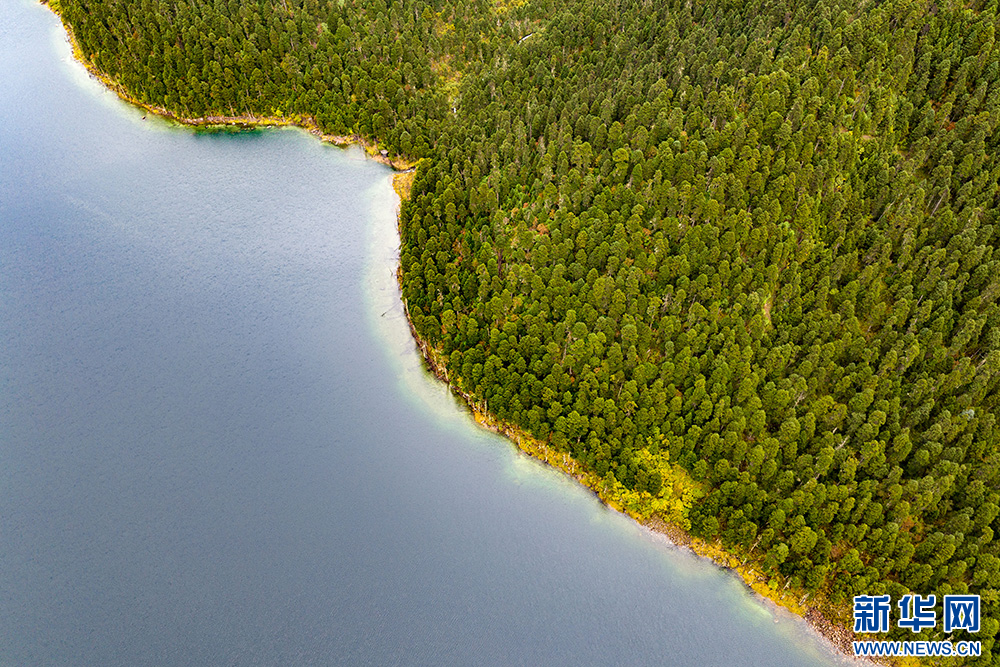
837,636
246,121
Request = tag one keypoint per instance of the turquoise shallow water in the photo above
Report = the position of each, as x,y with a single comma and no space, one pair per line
218,445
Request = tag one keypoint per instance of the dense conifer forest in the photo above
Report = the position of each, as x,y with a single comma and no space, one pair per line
743,250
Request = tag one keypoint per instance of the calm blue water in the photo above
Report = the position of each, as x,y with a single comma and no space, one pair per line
217,444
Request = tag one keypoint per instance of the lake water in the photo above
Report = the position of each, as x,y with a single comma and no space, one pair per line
218,444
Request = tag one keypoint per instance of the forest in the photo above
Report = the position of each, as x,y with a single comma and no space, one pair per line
745,248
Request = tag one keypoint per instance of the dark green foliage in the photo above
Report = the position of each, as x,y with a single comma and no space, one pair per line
756,238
